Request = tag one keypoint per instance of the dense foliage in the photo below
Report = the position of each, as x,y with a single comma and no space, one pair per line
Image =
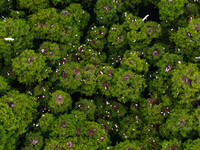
99,74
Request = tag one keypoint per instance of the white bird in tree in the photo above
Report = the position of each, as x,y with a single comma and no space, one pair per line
197,57
9,39
145,17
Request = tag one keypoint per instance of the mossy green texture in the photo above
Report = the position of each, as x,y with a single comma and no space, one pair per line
74,15
99,74
65,126
45,24
117,38
191,144
154,53
105,76
132,61
17,14
174,143
70,76
87,106
22,110
8,140
127,145
4,86
158,109
92,132
33,5
89,80
168,63
96,37
179,124
70,37
111,110
106,11
185,82
46,122
133,5
187,40
10,124
80,116
60,102
170,10
19,31
34,140
131,22
4,6
141,34
72,142
51,51
66,2
196,115
30,67
130,127
128,85
85,55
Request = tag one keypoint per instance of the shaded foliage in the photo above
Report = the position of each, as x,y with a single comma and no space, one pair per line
99,74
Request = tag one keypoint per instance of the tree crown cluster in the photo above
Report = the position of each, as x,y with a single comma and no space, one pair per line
99,74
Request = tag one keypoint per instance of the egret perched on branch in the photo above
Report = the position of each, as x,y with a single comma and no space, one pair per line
145,17
9,39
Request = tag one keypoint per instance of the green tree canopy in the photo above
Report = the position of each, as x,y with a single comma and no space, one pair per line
19,31
30,67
